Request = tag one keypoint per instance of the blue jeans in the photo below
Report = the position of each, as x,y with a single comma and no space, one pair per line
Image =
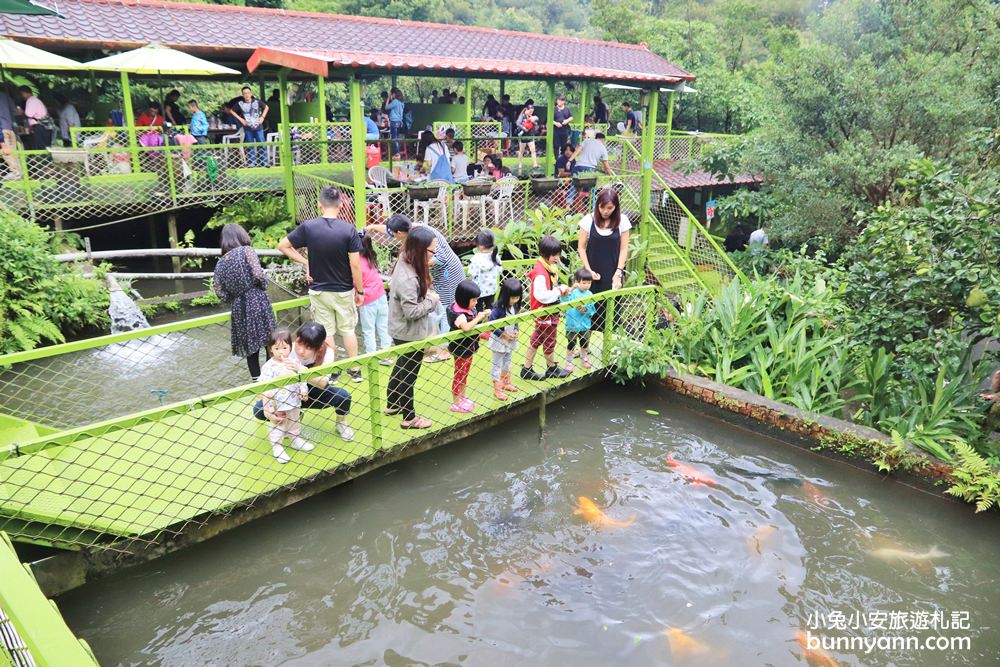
394,128
319,398
256,155
374,318
571,195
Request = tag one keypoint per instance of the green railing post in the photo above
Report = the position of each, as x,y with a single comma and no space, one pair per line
286,145
583,108
609,325
670,120
321,98
646,169
550,156
171,178
133,142
358,158
375,402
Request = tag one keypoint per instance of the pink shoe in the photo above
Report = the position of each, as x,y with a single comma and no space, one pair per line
569,366
469,404
461,406
587,364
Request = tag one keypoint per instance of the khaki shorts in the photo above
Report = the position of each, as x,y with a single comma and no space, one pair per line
335,311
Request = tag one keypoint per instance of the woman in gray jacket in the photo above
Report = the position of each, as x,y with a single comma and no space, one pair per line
411,302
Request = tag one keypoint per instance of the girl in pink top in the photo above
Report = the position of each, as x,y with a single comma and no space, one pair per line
374,311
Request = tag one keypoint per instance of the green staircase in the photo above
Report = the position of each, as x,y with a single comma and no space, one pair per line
32,632
682,256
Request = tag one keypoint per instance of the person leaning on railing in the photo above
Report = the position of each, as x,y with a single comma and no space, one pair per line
412,299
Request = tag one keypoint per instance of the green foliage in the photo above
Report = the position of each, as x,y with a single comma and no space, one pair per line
266,219
930,262
41,300
975,481
520,239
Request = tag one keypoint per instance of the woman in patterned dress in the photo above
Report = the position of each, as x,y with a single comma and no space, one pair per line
240,282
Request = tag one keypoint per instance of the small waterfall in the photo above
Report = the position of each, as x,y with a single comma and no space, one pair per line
125,315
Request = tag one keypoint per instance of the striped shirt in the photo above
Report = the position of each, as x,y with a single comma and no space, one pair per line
447,271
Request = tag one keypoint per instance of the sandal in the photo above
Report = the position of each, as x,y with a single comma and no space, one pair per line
418,422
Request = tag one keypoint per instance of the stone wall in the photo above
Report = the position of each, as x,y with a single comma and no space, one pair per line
860,446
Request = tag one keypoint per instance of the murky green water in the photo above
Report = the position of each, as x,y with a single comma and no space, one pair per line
473,555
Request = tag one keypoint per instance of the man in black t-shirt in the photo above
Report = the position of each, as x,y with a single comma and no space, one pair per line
333,271
561,119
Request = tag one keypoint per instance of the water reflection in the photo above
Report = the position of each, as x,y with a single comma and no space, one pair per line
473,555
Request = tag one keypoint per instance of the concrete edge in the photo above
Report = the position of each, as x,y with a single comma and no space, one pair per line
827,436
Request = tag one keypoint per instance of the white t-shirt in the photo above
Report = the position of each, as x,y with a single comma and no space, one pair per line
459,165
587,225
758,236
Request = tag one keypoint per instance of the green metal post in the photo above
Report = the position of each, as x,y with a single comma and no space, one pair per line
550,157
321,98
133,142
375,402
286,145
609,325
670,119
470,149
645,193
583,106
358,151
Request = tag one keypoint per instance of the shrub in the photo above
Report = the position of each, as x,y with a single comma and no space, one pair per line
41,299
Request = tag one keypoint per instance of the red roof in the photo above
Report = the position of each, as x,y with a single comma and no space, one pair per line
678,180
361,42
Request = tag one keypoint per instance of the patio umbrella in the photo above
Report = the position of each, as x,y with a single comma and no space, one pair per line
15,55
25,7
158,59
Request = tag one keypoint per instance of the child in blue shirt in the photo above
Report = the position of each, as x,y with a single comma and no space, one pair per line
199,122
578,321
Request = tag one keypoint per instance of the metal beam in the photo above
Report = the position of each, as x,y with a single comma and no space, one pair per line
358,157
286,144
133,142
645,193
550,158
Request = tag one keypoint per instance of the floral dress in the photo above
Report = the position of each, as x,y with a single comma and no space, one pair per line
240,282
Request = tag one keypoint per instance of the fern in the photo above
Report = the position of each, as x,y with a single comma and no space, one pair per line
975,480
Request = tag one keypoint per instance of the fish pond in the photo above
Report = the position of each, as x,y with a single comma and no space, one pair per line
634,531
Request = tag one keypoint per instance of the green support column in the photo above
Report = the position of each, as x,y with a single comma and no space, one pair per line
583,106
670,119
321,98
470,148
133,142
645,195
358,152
286,145
550,158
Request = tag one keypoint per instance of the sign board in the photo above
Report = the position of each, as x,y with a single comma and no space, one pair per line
709,210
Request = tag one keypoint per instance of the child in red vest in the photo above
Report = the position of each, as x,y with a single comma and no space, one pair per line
544,291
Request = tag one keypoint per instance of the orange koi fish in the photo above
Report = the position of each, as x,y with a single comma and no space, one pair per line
815,657
586,508
814,495
689,473
756,542
684,647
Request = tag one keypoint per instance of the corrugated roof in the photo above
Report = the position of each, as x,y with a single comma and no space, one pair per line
678,180
349,41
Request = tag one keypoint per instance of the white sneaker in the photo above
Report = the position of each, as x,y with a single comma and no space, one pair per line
301,445
345,431
280,454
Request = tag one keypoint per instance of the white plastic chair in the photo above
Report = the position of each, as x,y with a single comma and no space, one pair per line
379,176
100,141
463,204
621,127
502,197
235,138
272,139
439,202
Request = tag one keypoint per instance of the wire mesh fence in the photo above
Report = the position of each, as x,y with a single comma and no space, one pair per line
122,485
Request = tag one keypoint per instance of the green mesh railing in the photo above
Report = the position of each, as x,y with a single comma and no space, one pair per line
124,483
685,236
